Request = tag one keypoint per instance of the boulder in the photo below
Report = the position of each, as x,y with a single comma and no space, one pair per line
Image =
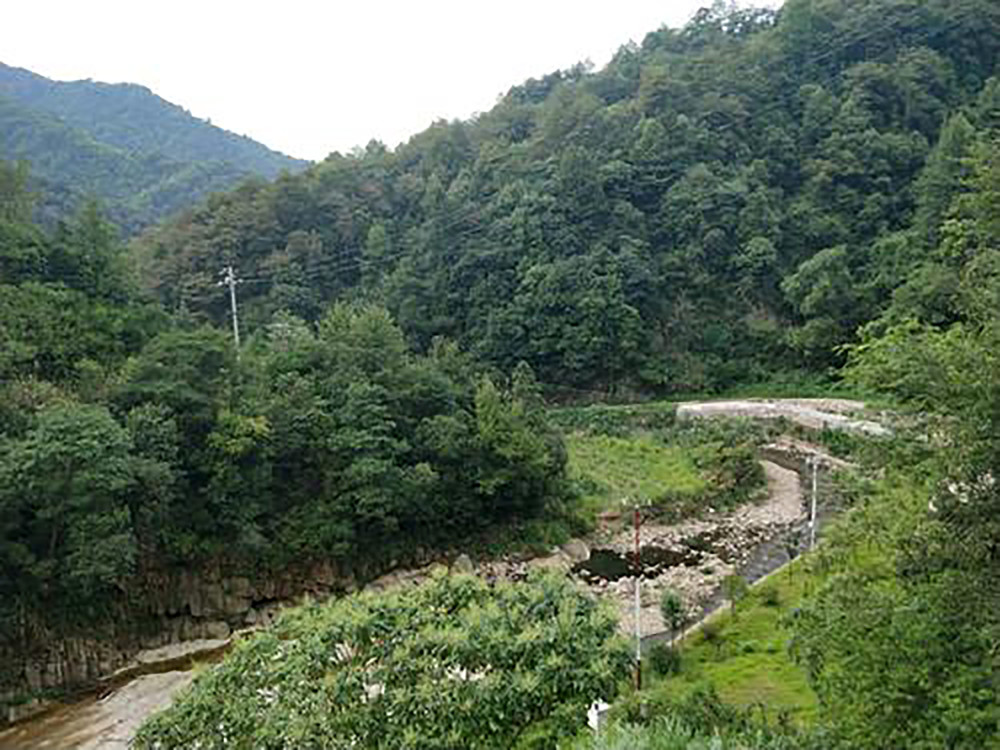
560,561
463,564
576,550
217,629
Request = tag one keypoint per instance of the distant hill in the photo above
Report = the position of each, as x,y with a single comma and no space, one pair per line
143,156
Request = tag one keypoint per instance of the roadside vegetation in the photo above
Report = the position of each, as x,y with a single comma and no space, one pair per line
743,654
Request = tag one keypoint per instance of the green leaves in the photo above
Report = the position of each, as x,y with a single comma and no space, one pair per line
672,610
63,496
452,664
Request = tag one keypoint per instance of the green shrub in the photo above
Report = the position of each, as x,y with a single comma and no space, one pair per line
664,659
672,609
770,596
711,634
306,682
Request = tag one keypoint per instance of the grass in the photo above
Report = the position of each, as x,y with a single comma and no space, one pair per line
620,420
609,468
748,662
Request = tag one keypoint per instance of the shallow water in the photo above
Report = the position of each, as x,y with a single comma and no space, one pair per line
99,722
108,718
609,565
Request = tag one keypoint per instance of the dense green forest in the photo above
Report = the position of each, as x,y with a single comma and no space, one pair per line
724,202
129,440
755,196
145,158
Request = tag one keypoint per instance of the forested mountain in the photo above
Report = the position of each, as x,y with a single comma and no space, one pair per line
721,203
132,443
144,157
815,189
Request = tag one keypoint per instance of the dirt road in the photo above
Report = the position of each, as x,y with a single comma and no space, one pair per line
813,413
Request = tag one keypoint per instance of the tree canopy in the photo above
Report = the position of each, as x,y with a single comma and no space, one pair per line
723,202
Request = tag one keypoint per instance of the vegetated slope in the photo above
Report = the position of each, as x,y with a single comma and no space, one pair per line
69,165
132,445
720,203
145,157
456,662
132,117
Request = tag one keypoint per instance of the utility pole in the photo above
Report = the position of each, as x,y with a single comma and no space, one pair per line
638,605
814,462
229,279
636,504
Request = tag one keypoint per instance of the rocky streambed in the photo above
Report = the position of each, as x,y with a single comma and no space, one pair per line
694,557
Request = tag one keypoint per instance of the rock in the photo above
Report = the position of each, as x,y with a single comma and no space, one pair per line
324,574
217,629
235,605
576,550
190,629
239,586
33,677
436,569
251,617
267,589
212,599
463,564
26,710
559,561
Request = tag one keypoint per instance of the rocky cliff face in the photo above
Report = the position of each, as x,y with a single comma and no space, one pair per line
164,607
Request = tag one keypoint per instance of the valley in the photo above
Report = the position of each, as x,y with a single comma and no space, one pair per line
690,557
381,474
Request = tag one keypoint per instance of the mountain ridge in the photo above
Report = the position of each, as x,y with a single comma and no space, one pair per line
146,158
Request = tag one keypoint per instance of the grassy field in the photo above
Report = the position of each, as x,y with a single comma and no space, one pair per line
746,659
609,468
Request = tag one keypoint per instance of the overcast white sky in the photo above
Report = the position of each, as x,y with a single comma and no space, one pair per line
310,77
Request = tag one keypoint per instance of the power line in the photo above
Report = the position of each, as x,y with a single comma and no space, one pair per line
847,38
353,259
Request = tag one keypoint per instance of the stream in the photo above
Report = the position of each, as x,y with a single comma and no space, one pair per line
109,717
